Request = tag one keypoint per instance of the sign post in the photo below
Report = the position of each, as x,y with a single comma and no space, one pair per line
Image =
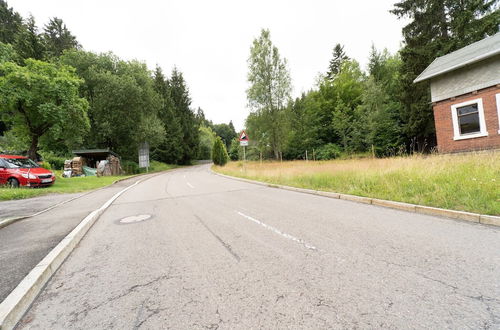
244,142
144,156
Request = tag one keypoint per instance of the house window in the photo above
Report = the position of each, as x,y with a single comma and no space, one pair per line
468,120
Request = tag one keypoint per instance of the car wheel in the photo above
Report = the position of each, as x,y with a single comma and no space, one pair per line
13,183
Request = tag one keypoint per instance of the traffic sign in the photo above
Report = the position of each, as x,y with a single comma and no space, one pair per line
244,143
244,136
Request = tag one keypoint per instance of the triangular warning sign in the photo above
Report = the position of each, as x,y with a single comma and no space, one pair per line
243,136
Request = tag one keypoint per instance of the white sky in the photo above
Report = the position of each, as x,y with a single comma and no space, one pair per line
209,41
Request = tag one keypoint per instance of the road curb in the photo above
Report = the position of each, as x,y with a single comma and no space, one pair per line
414,208
20,299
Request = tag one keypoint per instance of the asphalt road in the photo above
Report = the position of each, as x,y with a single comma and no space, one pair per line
25,243
223,254
27,207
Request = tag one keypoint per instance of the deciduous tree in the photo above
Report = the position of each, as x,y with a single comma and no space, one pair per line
270,87
39,97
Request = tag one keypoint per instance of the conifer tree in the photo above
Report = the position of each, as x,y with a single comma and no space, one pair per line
28,42
170,149
339,57
10,23
58,38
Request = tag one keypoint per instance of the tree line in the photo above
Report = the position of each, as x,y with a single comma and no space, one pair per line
350,110
57,97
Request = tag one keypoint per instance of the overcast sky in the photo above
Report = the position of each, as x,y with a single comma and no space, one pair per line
209,41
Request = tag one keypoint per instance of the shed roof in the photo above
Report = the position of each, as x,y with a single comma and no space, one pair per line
94,153
472,53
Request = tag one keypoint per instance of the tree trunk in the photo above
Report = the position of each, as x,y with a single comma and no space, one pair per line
33,148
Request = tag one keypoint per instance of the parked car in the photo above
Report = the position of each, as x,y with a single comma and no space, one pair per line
18,171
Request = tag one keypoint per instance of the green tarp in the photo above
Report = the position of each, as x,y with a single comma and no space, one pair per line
89,171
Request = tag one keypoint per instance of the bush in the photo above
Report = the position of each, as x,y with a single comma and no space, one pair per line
328,151
130,167
55,162
219,152
234,149
45,165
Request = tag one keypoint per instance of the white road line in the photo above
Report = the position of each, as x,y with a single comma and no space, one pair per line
190,185
279,232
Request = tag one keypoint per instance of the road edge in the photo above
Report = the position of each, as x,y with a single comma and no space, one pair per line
413,208
20,299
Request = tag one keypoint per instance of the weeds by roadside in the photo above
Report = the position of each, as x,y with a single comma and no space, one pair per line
466,182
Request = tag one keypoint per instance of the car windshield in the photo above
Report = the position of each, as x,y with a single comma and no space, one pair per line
20,163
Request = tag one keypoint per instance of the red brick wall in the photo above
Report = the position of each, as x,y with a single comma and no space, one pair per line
444,122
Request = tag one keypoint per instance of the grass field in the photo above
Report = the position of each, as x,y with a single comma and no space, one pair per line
70,185
465,182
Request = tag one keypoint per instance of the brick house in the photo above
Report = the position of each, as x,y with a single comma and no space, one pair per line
465,92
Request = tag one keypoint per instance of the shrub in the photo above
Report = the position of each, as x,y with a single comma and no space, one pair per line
219,152
55,162
46,165
234,149
328,151
130,167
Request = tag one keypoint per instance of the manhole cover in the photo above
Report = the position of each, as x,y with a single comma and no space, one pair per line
135,218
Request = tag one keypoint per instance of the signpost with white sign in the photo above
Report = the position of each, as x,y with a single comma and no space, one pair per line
144,156
244,143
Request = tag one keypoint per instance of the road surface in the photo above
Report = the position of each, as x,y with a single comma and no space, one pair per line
25,243
26,207
222,254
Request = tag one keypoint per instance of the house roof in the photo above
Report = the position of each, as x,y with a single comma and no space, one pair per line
467,55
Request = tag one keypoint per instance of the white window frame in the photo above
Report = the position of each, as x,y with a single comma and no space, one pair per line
498,111
482,123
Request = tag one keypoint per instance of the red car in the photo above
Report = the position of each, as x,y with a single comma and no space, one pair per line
21,171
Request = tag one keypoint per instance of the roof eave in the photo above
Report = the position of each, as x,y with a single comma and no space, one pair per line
484,56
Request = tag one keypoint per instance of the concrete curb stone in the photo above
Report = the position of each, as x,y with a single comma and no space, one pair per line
428,210
489,220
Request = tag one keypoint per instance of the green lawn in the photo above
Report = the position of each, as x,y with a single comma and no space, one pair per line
71,185
465,182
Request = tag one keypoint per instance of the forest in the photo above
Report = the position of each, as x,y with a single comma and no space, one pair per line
57,97
351,110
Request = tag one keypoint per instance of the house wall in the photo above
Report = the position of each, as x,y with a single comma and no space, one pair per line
444,122
467,79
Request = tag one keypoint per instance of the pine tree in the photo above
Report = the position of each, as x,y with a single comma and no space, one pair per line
339,57
10,23
28,42
179,103
58,38
219,152
170,149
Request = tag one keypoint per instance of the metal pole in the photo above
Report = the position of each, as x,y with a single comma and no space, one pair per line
244,154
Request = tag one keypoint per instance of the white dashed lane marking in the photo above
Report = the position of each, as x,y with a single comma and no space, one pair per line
279,232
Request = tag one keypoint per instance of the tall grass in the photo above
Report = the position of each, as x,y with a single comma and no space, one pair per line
467,182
